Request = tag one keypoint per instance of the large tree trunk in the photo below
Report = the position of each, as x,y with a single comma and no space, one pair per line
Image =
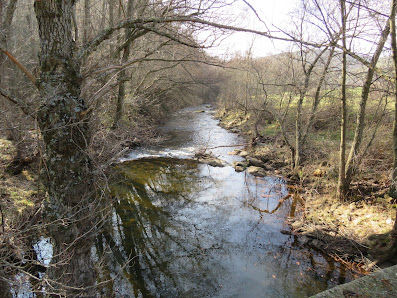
68,173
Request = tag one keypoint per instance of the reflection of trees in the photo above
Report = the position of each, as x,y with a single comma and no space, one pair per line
162,242
296,198
144,223
275,190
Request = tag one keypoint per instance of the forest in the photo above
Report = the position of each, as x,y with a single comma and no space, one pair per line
142,157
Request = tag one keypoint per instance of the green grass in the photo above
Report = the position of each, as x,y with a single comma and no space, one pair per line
270,130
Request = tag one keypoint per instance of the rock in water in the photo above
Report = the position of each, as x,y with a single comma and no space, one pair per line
243,153
235,152
256,171
239,169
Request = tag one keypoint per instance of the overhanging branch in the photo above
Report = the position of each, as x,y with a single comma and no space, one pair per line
192,18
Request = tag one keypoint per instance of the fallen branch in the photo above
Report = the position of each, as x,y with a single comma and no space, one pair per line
238,145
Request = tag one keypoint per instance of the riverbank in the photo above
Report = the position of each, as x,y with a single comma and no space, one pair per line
355,232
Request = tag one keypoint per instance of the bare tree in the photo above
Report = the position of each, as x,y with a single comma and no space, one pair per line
354,156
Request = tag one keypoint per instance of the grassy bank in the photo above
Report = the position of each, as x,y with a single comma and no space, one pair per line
355,231
20,194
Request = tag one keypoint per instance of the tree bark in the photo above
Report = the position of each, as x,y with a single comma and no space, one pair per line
342,191
6,17
87,21
393,188
68,173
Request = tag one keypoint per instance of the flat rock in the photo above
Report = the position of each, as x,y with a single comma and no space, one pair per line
256,171
235,152
213,162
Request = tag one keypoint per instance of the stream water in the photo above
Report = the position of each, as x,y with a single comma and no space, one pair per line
184,229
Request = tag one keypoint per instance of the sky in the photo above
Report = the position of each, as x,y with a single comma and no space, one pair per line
270,11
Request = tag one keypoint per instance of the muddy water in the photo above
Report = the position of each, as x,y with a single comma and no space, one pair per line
183,229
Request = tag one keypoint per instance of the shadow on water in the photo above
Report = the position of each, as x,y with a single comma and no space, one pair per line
183,229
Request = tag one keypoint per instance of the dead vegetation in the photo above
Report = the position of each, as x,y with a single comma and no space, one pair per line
356,231
21,200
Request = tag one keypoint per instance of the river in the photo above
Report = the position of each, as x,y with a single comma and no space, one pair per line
185,229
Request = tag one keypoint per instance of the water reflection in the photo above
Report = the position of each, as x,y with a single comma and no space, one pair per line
181,229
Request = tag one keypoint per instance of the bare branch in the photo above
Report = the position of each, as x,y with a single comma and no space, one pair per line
30,76
192,18
26,109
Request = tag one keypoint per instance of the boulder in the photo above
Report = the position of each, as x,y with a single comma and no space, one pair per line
318,244
214,162
239,169
304,240
243,164
243,153
256,171
207,158
255,162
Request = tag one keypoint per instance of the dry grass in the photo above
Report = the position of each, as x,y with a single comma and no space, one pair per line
18,193
351,230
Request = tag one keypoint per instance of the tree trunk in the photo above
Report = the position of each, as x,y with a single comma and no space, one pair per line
393,188
342,191
87,21
298,128
6,17
317,96
353,160
123,75
68,172
298,117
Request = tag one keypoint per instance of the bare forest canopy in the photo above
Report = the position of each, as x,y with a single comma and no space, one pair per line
83,80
